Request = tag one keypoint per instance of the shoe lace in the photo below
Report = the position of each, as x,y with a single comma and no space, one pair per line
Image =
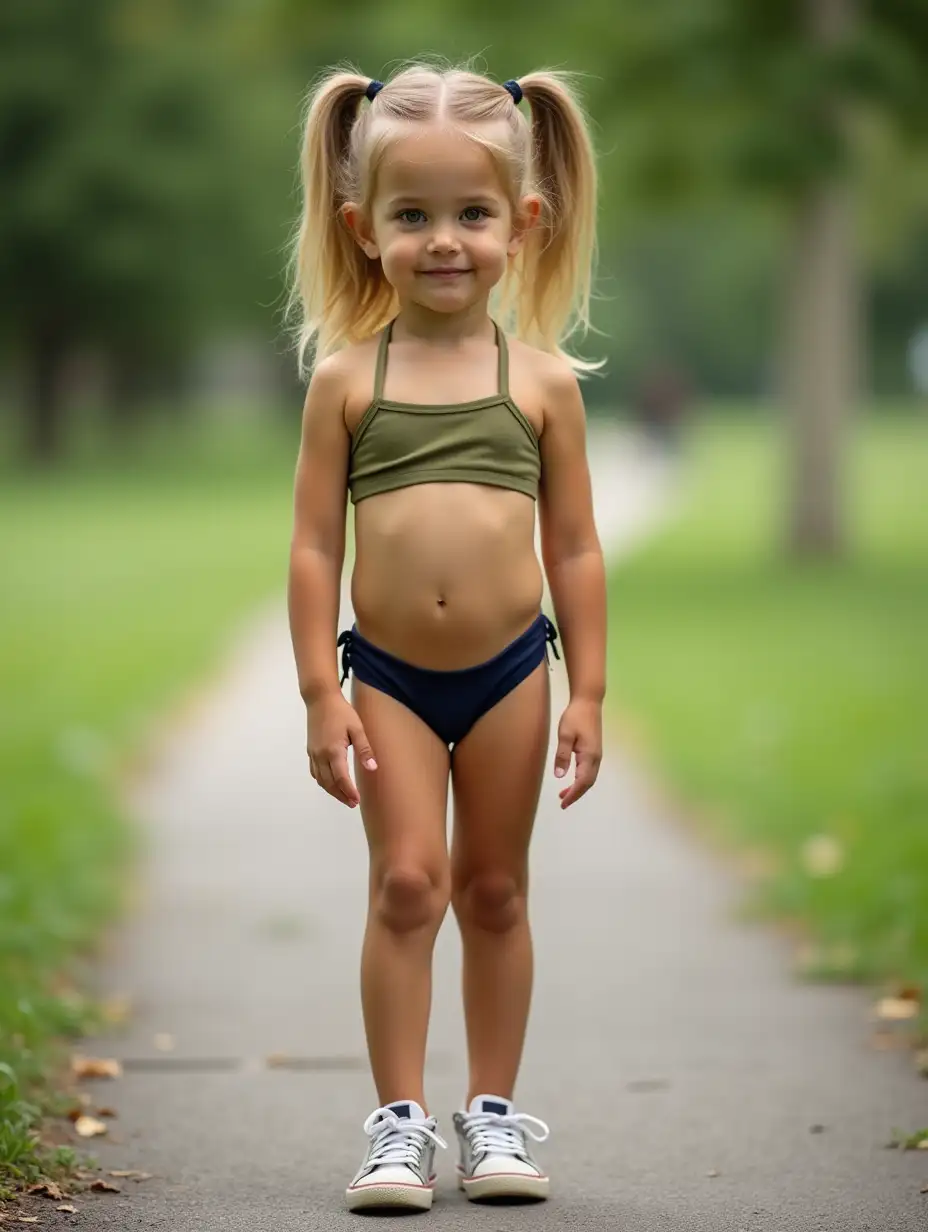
397,1140
502,1135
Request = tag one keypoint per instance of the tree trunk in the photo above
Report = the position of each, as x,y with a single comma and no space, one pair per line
821,333
127,382
820,367
46,349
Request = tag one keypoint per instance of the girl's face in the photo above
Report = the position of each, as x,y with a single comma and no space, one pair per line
441,222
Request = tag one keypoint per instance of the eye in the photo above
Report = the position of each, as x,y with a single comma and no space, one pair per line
474,213
411,216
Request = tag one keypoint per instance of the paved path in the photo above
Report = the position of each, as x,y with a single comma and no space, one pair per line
679,1065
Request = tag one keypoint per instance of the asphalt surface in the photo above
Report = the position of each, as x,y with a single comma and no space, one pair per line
690,1082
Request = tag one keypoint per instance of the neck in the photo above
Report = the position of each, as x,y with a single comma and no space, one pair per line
414,321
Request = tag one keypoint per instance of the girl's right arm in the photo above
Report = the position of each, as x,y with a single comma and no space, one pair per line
317,554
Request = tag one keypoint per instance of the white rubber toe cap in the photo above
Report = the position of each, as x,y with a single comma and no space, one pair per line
507,1165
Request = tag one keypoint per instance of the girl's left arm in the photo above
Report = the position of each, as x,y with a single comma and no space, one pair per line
573,561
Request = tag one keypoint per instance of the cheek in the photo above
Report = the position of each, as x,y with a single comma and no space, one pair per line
401,250
489,247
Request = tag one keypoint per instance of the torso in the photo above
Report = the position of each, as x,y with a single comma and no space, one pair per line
445,574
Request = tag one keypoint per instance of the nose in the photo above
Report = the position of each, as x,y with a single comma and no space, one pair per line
443,239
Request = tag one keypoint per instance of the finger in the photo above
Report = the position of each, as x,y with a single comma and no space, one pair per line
344,787
565,747
327,781
324,776
587,771
362,748
312,767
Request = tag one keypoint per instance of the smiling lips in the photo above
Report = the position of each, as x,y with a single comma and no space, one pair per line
444,272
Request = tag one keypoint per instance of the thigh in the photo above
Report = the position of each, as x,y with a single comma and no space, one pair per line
496,776
404,802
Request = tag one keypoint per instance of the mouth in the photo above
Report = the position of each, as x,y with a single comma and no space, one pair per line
445,273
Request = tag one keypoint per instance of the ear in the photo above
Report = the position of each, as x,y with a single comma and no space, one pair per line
525,218
359,225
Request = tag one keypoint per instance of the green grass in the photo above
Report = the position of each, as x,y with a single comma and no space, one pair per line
790,702
122,580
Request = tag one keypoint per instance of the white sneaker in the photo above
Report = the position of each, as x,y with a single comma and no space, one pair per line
496,1161
399,1168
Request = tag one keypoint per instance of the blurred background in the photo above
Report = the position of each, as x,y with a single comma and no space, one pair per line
763,307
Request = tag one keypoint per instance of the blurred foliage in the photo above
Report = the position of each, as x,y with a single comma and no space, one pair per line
788,706
126,221
154,561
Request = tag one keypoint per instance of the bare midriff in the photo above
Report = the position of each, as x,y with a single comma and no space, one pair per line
446,574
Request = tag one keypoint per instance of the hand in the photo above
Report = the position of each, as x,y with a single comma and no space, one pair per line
332,724
579,733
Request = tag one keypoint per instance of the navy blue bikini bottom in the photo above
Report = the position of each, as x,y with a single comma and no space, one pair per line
450,703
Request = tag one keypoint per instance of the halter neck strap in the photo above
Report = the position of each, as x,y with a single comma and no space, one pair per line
502,377
380,371
502,369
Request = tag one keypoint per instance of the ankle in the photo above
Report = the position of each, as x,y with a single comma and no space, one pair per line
502,1092
415,1101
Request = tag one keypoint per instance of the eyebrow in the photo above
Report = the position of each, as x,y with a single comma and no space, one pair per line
479,198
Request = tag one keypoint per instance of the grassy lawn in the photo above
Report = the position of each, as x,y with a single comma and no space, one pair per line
790,704
121,583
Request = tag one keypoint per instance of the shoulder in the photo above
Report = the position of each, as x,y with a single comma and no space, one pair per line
336,370
343,380
554,375
557,384
560,383
549,381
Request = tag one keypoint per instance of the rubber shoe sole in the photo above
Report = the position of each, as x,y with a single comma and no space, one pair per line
502,1185
397,1197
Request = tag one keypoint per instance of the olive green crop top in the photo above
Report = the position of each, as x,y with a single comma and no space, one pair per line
487,441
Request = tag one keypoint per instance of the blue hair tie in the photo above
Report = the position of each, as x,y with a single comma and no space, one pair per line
373,90
515,90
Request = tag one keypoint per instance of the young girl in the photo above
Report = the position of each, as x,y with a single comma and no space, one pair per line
424,197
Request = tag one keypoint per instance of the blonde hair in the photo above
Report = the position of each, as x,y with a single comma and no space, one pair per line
544,296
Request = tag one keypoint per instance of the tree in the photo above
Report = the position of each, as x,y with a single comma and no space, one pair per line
771,99
128,190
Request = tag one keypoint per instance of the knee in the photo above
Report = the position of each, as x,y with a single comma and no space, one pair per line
492,901
406,899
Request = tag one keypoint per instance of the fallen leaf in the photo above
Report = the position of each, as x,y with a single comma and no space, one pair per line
713,1172
131,1174
107,1112
95,1067
99,1186
46,1189
67,1208
925,1189
83,1103
90,1127
896,1009
923,1145
27,1219
164,1042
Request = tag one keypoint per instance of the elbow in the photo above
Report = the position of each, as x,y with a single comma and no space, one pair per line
323,548
570,552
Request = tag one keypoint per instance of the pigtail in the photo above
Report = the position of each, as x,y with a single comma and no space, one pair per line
336,285
555,266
